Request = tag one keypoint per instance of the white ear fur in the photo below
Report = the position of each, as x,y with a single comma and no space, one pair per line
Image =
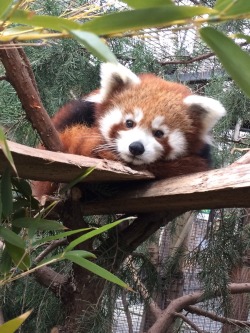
213,110
115,75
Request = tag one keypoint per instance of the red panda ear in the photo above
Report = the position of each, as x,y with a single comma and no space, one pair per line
208,109
114,77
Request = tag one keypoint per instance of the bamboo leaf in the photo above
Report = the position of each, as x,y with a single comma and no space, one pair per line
143,18
6,193
45,21
80,253
5,6
77,180
60,236
229,7
222,4
94,233
19,256
242,36
11,237
90,266
94,45
148,3
5,263
37,224
5,149
12,325
233,58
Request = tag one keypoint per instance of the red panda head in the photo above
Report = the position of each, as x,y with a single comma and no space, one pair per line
145,118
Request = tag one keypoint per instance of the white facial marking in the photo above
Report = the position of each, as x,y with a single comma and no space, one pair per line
178,143
138,115
111,118
213,110
153,149
158,124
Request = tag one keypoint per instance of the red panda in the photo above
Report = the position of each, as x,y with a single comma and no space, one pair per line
142,121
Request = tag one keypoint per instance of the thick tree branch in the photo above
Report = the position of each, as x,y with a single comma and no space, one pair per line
177,305
213,316
19,74
49,278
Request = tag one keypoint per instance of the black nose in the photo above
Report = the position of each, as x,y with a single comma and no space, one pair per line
136,148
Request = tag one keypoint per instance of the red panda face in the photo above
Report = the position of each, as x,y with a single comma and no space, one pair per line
145,118
141,139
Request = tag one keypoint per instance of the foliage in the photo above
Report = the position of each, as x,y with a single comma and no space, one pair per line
144,15
21,234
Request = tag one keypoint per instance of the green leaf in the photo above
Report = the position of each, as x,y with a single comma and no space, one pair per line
12,325
11,237
143,18
94,45
5,263
59,236
37,223
222,4
77,180
95,232
23,187
45,21
80,253
148,3
233,58
5,149
90,266
19,256
242,36
229,7
5,6
6,193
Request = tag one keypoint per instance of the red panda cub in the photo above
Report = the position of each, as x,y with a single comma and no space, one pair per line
142,121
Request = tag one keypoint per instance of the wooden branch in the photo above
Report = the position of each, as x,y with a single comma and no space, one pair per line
195,59
213,316
180,303
39,164
227,187
18,73
189,322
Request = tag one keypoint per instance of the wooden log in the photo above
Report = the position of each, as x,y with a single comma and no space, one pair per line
38,164
227,187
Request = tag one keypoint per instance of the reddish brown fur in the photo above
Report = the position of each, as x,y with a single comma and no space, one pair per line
155,97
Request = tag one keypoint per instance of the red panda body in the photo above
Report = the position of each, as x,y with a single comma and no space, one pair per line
142,121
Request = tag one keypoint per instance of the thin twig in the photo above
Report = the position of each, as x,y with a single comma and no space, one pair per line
213,316
50,248
188,321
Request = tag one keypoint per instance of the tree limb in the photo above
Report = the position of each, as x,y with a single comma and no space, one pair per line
18,73
180,303
53,245
213,316
190,61
188,321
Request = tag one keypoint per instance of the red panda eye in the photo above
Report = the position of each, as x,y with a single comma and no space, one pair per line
130,123
158,133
